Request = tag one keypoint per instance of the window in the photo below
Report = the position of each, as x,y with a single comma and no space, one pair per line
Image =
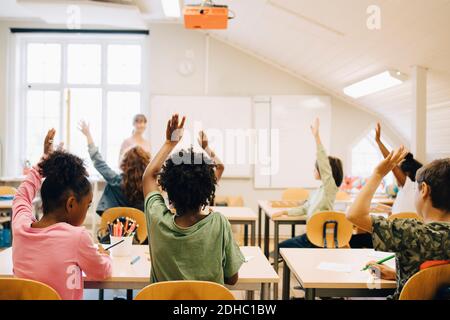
79,77
366,156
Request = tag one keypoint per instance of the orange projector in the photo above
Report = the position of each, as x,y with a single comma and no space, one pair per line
206,17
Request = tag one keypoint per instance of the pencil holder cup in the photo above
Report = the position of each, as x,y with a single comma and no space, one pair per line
123,249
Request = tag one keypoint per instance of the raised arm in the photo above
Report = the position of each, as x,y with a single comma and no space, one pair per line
359,212
22,209
323,163
400,176
100,165
174,133
204,143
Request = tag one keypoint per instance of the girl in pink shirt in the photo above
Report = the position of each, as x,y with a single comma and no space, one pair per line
56,250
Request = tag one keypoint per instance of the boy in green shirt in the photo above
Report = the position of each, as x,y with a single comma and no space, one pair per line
413,241
188,245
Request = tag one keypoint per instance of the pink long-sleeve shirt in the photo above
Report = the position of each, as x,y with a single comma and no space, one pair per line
56,255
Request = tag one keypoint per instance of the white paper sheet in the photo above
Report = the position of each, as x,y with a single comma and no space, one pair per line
337,267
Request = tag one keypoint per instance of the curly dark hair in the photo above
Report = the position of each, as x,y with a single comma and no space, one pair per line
189,180
65,175
133,166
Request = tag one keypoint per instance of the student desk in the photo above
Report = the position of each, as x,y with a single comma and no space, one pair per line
265,206
256,274
343,205
241,216
323,282
5,204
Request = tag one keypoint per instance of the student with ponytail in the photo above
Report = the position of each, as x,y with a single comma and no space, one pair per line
56,249
405,174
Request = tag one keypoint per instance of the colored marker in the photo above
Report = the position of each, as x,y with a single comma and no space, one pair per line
379,262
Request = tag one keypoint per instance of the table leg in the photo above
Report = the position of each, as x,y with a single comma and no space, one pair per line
249,295
265,291
253,238
259,225
245,234
286,281
101,294
129,294
266,236
310,294
293,230
276,256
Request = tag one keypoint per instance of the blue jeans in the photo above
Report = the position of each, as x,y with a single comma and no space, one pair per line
297,242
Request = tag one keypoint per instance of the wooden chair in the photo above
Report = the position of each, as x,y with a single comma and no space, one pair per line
23,289
185,290
425,284
229,201
329,229
295,194
112,214
405,215
342,195
6,191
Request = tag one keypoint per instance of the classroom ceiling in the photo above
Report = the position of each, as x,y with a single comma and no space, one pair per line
328,43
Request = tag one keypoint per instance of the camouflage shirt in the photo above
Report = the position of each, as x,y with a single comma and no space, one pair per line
414,242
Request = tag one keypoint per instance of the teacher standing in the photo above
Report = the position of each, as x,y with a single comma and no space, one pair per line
137,137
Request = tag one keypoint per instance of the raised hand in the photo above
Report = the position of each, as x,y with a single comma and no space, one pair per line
391,161
378,132
315,128
175,129
83,126
48,142
202,139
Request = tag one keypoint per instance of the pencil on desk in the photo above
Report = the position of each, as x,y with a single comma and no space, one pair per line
136,259
115,244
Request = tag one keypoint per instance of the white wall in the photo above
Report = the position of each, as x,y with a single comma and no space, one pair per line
231,72
234,73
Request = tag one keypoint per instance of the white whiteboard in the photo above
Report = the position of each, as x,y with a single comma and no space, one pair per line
292,147
226,120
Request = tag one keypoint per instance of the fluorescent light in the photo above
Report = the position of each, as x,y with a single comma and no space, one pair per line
171,8
379,82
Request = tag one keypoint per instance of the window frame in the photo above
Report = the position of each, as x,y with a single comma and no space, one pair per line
19,102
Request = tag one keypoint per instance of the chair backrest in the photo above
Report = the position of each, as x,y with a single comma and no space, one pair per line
229,201
112,214
329,229
185,290
405,215
294,194
6,190
24,289
342,195
425,284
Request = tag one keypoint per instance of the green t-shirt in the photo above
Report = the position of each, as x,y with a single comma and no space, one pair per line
205,251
